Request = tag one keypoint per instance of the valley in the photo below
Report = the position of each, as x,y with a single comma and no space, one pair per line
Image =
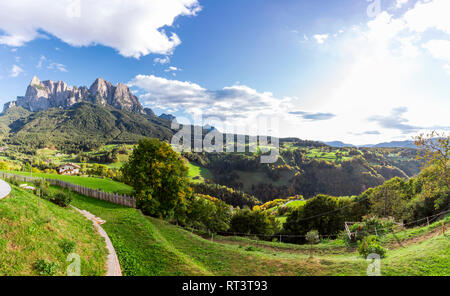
203,213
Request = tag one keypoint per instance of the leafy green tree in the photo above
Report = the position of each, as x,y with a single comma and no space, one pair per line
159,177
312,237
390,199
209,213
4,166
435,151
321,213
253,222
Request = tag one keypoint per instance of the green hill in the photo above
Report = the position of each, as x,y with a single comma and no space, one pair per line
149,246
33,229
83,126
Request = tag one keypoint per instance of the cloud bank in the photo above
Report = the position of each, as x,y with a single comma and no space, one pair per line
134,28
232,102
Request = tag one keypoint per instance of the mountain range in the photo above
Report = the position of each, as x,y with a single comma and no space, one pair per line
49,94
392,144
55,113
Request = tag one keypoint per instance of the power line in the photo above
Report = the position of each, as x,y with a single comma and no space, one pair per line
321,235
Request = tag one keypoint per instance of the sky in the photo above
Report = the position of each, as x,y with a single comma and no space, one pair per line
356,71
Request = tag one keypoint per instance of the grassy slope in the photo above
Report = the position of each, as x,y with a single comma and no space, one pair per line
148,246
32,229
106,185
198,172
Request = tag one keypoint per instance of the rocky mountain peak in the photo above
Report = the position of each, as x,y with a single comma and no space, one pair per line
48,94
35,81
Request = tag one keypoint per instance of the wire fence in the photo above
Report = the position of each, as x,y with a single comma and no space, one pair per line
324,236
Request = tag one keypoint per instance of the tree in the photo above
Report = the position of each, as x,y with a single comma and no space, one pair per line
208,212
160,179
321,212
435,151
390,199
4,166
312,237
255,222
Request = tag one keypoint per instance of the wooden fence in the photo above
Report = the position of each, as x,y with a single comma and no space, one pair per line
98,194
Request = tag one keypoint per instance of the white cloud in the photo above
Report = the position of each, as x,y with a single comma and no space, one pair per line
429,15
133,27
172,68
42,59
320,38
439,49
384,66
57,66
162,61
447,68
16,71
400,3
238,103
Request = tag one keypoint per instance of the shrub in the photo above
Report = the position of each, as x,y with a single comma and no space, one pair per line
62,199
45,267
371,225
67,246
45,194
371,244
12,181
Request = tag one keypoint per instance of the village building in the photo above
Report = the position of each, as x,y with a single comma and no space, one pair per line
69,169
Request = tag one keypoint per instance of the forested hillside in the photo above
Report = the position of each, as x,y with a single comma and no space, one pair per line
84,126
309,170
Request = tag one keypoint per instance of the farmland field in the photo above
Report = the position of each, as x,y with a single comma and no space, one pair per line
105,184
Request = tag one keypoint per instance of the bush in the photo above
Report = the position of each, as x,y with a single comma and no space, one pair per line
371,244
371,225
62,199
46,194
45,267
12,181
67,246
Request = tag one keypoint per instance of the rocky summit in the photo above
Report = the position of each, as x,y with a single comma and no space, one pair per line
42,95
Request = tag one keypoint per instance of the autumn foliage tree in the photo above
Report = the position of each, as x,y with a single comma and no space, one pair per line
435,150
160,179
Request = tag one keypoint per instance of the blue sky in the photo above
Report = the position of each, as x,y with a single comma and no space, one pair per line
322,70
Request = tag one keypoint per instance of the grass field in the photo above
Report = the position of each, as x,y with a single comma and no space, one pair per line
32,229
330,156
198,174
106,185
148,246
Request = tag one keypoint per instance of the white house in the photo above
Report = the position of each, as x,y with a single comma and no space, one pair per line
69,169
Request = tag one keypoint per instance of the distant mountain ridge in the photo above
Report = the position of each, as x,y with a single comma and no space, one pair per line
49,94
392,144
338,144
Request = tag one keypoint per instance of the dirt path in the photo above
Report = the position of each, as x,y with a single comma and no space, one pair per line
5,189
417,239
339,250
331,251
113,265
